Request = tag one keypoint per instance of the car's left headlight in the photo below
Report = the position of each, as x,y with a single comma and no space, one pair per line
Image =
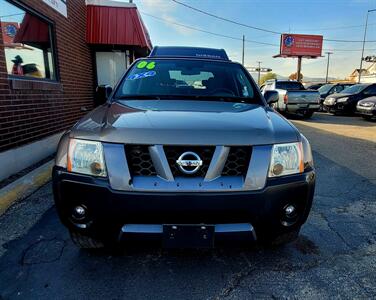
86,157
344,99
286,159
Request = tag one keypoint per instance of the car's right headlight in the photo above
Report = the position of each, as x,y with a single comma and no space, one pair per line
343,99
286,159
86,157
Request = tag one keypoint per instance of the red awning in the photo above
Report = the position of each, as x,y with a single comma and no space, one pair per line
116,26
33,31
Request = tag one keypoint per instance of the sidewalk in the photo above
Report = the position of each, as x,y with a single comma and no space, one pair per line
25,185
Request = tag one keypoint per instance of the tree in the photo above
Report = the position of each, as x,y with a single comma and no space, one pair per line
267,76
294,76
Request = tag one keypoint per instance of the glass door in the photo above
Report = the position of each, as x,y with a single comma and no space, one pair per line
111,66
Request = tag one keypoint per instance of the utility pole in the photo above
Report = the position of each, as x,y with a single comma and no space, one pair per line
259,71
299,68
364,42
327,66
243,51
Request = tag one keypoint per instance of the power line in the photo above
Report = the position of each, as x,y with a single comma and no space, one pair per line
347,41
254,27
231,37
224,19
206,31
335,28
12,15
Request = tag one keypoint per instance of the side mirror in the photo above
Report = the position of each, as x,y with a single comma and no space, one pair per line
271,97
102,93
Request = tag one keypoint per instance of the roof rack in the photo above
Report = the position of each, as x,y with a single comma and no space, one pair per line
189,52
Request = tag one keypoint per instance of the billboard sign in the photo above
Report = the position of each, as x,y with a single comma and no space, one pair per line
300,45
9,30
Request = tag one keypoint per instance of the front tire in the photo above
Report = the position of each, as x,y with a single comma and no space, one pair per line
368,118
85,242
307,114
282,239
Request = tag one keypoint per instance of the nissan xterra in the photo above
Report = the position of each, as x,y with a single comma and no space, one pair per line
186,151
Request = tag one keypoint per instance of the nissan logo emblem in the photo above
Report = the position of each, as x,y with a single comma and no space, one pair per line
189,162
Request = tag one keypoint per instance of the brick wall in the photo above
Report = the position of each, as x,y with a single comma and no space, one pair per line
32,110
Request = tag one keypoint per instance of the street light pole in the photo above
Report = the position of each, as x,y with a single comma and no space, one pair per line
327,66
364,42
259,72
243,50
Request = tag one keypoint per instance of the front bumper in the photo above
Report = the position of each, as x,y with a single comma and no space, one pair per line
109,210
366,111
341,107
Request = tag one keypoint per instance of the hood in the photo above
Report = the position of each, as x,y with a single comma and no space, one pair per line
181,122
340,95
369,99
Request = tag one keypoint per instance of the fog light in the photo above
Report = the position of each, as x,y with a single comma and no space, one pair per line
290,210
79,212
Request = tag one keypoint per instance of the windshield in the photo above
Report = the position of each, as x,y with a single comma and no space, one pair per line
191,79
289,85
325,88
354,89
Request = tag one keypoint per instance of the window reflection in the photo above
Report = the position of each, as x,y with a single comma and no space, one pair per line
27,43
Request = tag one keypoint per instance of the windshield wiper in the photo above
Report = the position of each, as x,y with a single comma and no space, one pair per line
151,97
225,98
189,97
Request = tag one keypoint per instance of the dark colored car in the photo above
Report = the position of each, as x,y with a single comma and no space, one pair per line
315,86
346,101
331,88
188,164
367,108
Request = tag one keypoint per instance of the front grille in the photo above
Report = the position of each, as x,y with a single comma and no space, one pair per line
140,163
204,152
139,160
237,161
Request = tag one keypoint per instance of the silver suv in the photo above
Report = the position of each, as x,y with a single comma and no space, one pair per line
185,151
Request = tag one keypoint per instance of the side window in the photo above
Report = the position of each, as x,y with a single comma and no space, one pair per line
246,89
371,90
27,43
337,89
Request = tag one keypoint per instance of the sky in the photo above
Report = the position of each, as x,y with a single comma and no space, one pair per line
334,19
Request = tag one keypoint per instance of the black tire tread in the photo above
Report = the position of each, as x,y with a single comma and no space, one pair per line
85,242
283,239
308,115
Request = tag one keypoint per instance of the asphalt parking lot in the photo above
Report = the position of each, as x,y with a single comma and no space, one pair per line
334,256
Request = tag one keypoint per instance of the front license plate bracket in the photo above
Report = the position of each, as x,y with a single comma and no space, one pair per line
188,236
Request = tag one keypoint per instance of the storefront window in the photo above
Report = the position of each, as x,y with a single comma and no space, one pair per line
27,43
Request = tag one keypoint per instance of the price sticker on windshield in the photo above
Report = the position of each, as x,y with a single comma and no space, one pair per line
144,64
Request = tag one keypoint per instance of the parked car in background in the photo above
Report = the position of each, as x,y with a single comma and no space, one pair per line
367,108
315,86
346,101
293,97
331,88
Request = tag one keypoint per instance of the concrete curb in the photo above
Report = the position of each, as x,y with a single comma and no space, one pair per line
25,186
